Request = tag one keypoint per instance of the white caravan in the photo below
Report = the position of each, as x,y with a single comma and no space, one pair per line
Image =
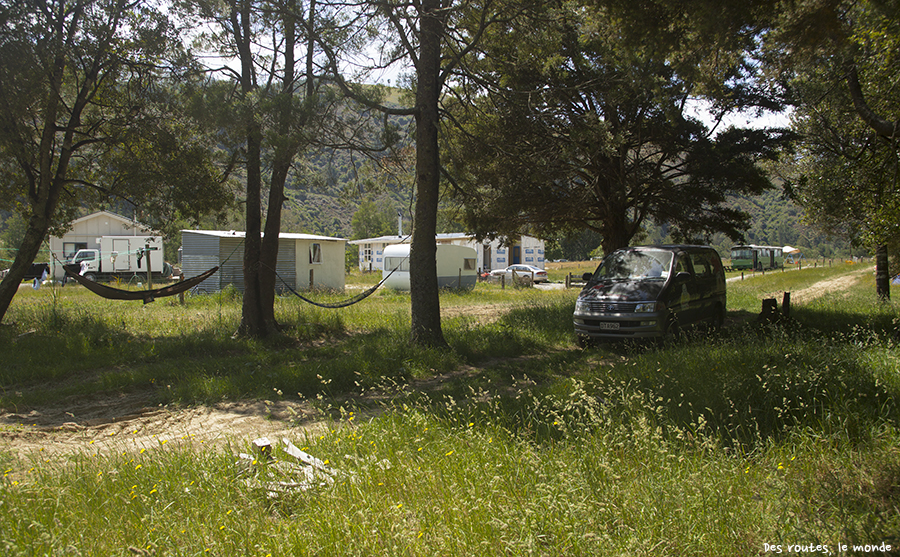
456,267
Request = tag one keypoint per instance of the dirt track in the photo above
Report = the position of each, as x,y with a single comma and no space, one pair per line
125,423
837,284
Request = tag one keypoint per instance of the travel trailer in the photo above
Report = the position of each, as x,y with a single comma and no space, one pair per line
455,267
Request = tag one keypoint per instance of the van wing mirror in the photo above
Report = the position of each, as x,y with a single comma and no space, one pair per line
587,277
682,277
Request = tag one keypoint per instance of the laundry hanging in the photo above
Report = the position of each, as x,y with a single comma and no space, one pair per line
146,295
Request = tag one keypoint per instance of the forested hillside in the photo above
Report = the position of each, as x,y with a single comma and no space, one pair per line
778,221
326,205
327,187
330,208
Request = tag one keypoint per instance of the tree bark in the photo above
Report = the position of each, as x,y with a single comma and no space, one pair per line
424,295
882,274
253,321
281,165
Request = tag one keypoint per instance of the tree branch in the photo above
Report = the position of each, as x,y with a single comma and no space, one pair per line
881,125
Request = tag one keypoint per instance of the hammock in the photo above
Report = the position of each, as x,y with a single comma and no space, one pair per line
146,295
345,303
356,299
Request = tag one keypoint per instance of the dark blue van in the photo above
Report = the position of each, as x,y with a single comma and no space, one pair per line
651,292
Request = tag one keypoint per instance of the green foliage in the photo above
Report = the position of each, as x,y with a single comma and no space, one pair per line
845,176
584,128
373,219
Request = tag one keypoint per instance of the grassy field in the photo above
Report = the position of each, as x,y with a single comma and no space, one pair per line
513,442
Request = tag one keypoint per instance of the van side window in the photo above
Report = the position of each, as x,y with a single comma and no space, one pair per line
681,265
702,265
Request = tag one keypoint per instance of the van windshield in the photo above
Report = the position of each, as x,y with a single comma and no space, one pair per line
635,265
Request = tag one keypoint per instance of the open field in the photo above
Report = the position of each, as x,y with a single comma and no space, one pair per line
121,427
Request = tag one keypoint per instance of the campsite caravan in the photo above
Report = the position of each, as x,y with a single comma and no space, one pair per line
455,267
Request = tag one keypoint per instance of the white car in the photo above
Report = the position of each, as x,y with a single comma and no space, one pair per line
530,271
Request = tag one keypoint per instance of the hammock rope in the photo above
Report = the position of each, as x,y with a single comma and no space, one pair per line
337,305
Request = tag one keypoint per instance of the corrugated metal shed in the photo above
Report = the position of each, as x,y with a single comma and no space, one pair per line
199,253
204,249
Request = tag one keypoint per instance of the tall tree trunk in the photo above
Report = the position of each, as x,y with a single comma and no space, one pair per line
426,308
252,315
253,320
281,165
616,234
38,225
882,274
45,190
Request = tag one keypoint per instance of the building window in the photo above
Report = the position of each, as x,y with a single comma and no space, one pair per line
71,248
315,253
367,252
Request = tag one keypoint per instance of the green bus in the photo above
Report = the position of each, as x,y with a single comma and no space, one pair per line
757,258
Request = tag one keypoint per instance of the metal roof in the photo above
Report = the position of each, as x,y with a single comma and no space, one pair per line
382,240
284,235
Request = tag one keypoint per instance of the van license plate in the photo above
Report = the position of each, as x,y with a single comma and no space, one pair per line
603,325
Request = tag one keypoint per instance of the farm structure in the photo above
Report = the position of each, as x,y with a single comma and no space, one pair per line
89,232
489,255
757,258
305,261
455,267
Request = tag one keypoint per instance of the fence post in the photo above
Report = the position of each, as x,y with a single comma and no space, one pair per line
149,271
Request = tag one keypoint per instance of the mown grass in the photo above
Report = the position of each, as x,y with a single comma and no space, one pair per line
779,434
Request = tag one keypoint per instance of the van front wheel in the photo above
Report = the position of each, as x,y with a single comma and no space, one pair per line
672,332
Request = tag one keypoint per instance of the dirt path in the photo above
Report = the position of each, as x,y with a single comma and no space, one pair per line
125,423
829,286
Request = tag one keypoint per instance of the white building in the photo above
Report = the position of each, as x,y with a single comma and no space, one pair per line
490,253
305,261
85,233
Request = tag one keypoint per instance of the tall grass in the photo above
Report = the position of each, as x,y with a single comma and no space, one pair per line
724,444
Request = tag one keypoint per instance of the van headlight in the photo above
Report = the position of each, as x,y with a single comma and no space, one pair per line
582,306
645,307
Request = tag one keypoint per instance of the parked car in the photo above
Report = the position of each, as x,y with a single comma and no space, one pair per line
651,292
537,275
